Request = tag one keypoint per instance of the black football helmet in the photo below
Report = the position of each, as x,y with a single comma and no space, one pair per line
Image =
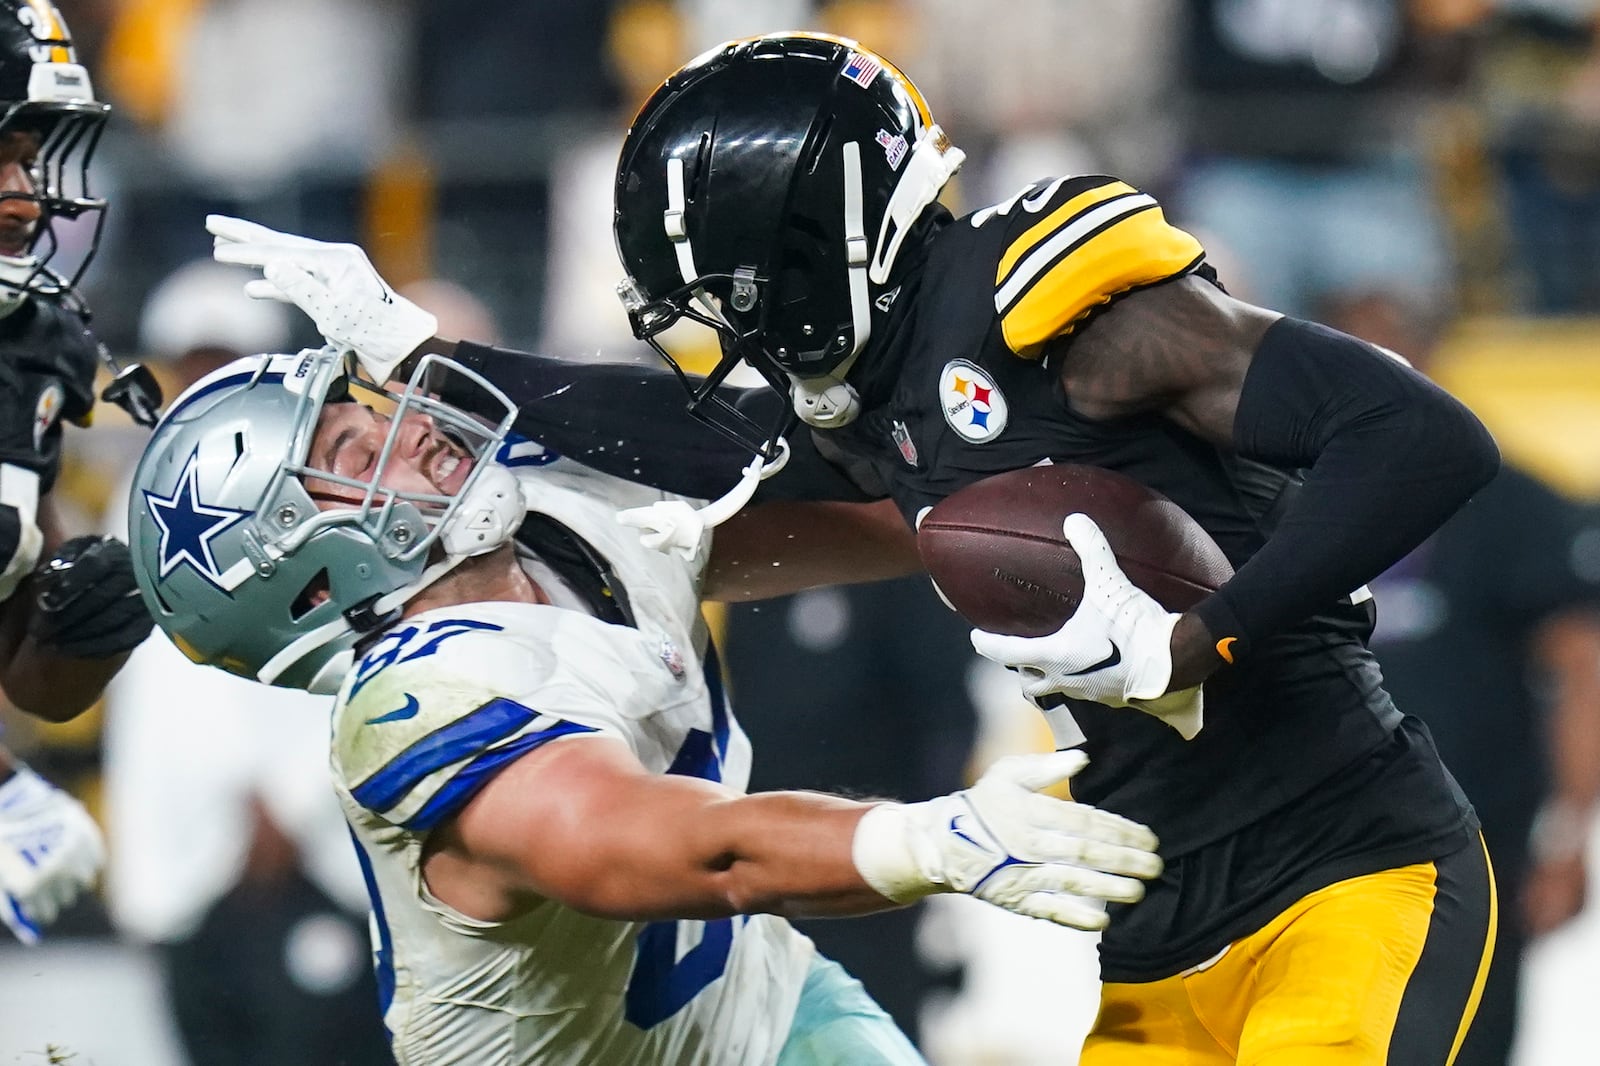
765,190
43,91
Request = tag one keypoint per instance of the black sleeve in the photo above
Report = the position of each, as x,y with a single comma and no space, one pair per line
1389,456
633,422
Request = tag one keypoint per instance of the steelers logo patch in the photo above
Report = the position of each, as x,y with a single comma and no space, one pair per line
971,401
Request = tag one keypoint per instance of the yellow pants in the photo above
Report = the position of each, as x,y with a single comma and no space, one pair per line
1376,970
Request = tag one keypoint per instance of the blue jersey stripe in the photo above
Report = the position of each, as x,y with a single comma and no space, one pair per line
462,738
719,700
383,955
466,783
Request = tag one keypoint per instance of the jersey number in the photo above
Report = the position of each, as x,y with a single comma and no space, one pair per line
662,984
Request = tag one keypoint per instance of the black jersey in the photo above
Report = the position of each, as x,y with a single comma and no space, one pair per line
955,390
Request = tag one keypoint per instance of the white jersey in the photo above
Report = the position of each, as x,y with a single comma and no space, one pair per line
450,696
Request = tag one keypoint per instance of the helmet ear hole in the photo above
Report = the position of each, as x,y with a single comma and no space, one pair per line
313,595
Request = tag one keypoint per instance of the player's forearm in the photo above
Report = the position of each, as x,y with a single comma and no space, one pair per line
777,852
627,420
783,547
1390,456
55,687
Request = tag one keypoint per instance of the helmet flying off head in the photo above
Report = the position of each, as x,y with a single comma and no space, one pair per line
766,190
245,569
45,95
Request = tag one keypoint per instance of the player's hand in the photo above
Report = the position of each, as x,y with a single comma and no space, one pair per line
1008,844
335,285
86,601
50,850
1116,649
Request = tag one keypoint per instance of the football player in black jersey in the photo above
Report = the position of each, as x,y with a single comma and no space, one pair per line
69,613
1327,898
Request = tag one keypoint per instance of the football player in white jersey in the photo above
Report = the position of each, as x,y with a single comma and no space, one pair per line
531,740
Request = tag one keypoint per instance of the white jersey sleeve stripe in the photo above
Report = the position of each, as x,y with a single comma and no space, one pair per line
461,787
461,739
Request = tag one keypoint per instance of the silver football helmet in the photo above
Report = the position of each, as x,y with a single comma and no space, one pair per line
239,564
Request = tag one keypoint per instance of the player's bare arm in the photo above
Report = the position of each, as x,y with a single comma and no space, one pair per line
1181,348
580,821
1388,454
783,547
44,677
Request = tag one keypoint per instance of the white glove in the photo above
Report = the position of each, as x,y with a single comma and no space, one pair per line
1005,843
335,285
50,850
1115,650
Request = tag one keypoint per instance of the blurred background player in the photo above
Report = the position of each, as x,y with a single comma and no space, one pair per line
67,627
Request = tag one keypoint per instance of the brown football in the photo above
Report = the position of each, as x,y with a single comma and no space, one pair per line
996,550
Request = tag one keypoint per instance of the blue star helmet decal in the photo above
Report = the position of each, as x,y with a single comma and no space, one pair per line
188,526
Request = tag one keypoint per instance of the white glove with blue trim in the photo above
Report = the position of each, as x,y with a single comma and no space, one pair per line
50,850
1115,650
1008,844
335,285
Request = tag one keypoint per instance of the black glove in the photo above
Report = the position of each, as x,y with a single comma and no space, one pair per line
48,360
86,601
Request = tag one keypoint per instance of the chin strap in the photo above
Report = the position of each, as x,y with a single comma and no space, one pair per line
487,515
824,403
673,526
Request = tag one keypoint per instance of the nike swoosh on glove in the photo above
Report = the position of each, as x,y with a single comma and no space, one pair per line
1115,650
50,850
335,285
1006,842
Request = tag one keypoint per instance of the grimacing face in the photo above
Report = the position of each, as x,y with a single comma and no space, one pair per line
350,438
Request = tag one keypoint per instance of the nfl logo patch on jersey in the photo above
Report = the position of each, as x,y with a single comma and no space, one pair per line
971,401
672,658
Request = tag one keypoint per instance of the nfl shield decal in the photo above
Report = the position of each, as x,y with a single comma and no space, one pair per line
971,401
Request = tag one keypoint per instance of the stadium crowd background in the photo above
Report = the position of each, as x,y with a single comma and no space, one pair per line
1425,173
